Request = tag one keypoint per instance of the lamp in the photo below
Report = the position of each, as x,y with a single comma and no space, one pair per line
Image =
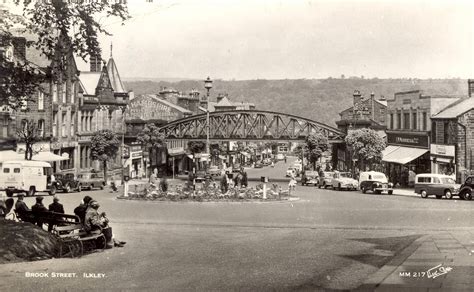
208,86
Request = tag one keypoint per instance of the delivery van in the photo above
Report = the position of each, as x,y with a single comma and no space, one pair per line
26,176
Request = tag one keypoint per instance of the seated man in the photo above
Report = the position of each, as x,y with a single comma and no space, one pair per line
38,208
98,223
55,207
23,211
80,210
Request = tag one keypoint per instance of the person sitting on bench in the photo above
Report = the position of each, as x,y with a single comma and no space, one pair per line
81,210
38,208
98,223
22,210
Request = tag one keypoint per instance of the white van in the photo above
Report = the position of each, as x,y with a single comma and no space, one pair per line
26,176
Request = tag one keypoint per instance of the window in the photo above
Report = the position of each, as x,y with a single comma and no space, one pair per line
433,131
82,128
414,122
399,121
446,132
392,126
41,128
6,170
73,91
73,116
63,120
424,179
55,92
436,180
406,121
55,124
40,101
63,92
16,170
425,121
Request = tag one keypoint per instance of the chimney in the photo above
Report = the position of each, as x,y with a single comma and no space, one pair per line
19,47
357,97
220,96
470,87
95,63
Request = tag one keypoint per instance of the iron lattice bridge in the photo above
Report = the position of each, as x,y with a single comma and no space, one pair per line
248,125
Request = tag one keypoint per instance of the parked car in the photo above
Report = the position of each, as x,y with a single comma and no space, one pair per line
290,171
309,177
258,164
279,157
267,161
439,185
214,170
466,189
298,167
67,182
325,179
376,182
344,180
91,181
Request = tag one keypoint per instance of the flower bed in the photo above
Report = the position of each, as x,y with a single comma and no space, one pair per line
206,193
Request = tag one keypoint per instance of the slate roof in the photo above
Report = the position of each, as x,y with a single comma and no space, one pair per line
455,109
89,81
114,76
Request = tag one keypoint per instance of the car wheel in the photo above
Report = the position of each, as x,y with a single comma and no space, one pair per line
324,185
424,194
52,190
438,197
448,194
468,195
31,191
79,188
102,187
363,190
339,187
9,193
67,188
390,192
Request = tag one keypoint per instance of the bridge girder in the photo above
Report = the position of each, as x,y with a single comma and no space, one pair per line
248,125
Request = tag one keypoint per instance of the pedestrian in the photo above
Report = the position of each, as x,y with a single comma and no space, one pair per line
285,158
154,179
245,180
224,183
81,210
164,184
292,183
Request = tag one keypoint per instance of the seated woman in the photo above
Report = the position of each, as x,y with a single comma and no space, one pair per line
99,223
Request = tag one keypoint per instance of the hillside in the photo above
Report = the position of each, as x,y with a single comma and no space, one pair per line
318,99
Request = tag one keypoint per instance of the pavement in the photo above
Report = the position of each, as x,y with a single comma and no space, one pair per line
439,262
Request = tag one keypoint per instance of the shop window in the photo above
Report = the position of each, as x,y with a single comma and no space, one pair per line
406,121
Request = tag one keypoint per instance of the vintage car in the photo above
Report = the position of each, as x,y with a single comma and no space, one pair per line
439,185
309,177
67,182
325,179
376,182
466,189
343,180
214,170
258,164
91,181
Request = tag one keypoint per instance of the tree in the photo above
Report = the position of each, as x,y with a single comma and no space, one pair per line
196,146
50,23
317,143
366,146
29,135
151,137
104,147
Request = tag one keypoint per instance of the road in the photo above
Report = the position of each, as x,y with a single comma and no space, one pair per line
328,239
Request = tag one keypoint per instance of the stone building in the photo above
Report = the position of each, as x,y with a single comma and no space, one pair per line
102,104
408,133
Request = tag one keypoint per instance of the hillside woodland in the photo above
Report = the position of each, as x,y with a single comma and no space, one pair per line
318,99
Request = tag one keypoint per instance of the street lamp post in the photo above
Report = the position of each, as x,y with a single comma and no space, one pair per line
208,86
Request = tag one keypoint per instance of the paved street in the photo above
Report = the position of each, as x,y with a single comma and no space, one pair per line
327,239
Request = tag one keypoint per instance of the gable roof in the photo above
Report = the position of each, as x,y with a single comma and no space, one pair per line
89,81
455,109
224,102
114,76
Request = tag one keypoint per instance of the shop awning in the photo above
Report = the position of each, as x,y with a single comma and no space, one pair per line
49,156
402,155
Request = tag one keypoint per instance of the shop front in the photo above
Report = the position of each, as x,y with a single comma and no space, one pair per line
443,159
406,154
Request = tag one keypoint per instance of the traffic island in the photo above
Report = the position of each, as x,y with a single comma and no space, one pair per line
209,193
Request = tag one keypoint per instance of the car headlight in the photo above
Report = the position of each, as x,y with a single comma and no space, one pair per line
390,185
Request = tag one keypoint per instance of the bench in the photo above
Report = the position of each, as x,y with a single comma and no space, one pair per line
48,217
73,236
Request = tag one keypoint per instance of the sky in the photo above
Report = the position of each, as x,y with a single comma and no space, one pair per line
289,39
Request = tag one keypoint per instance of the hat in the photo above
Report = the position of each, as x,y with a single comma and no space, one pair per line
87,199
39,199
20,196
94,204
55,199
